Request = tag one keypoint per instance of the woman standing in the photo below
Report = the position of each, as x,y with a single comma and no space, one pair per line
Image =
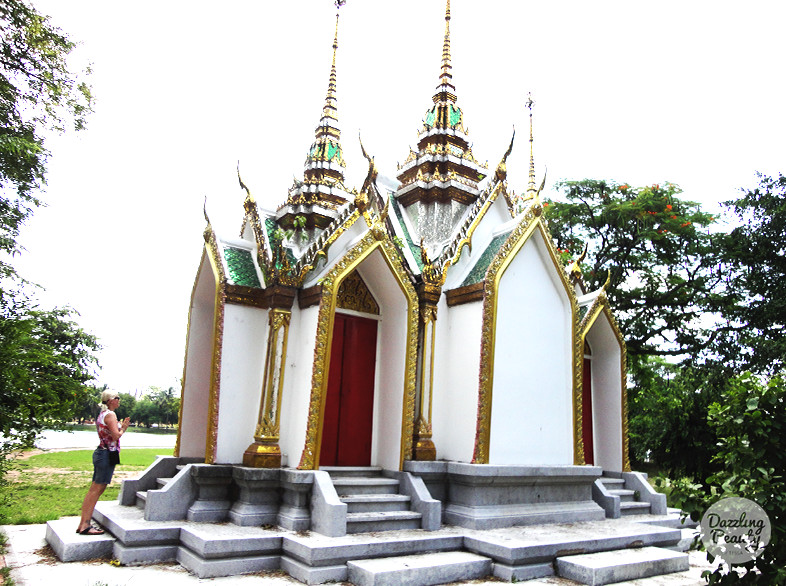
105,457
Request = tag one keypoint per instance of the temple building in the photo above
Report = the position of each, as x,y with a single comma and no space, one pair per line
417,319
397,382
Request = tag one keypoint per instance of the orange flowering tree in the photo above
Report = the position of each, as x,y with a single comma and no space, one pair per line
659,250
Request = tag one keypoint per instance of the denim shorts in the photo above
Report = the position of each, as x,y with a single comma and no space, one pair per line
102,469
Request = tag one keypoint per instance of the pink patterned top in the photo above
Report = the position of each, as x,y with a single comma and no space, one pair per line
105,440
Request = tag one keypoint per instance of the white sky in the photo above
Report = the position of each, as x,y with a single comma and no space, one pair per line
640,92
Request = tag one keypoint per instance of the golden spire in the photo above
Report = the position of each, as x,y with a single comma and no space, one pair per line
446,74
329,111
531,189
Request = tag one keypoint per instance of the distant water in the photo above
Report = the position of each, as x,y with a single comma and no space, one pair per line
59,440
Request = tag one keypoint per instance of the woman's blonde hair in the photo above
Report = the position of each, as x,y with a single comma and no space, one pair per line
107,396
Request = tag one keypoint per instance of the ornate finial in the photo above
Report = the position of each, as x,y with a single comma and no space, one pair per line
575,268
531,185
608,281
204,211
363,198
243,185
502,169
445,77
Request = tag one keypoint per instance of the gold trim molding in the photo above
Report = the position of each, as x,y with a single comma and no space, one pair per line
375,239
211,247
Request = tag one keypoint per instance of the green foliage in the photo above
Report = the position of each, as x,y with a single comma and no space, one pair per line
159,406
46,360
38,93
755,258
662,262
668,425
749,421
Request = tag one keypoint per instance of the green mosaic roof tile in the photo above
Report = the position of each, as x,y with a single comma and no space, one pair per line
325,151
414,248
431,117
583,309
241,266
455,115
478,272
273,238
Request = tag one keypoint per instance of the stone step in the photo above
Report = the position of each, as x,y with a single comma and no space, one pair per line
339,471
419,570
624,494
620,565
162,482
382,521
141,499
354,486
376,503
612,482
634,508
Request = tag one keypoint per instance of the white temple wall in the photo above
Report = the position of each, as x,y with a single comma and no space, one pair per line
606,394
532,415
199,354
296,395
242,365
390,371
456,372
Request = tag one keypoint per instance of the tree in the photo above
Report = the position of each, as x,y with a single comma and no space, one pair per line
668,416
47,360
755,259
661,261
126,407
39,93
666,289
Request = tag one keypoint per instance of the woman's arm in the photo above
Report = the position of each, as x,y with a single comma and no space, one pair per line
116,429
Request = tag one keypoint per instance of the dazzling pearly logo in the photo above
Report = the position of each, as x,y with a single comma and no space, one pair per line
735,529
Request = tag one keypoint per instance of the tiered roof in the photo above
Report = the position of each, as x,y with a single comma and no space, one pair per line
322,190
443,169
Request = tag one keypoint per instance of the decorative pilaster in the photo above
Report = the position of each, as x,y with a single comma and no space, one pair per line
265,451
429,292
424,445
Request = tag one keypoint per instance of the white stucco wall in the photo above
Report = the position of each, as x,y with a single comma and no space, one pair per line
199,353
531,417
456,371
606,394
242,364
297,383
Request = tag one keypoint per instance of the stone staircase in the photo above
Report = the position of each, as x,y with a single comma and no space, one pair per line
374,502
630,503
141,495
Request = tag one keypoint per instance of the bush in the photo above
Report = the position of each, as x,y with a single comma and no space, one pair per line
749,421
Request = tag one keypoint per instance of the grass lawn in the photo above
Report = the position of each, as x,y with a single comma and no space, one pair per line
48,486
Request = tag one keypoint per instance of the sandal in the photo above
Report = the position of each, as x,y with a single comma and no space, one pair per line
90,530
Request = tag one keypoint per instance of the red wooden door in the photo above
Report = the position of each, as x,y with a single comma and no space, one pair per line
586,412
349,405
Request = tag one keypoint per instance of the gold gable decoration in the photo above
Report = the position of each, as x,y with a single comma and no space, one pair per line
353,294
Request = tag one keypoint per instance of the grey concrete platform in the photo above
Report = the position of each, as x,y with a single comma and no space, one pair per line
419,570
617,566
69,546
32,565
535,544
